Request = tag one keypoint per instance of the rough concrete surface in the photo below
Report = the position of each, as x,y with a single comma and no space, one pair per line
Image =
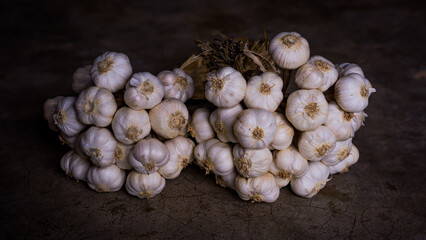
43,42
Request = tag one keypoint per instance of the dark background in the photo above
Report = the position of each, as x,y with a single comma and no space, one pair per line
43,42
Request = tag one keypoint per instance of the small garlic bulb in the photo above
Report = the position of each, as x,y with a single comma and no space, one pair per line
312,181
222,120
169,119
148,155
264,91
200,127
144,185
352,92
349,68
306,109
130,126
289,50
340,152
65,117
258,189
227,181
255,128
200,154
181,154
316,144
177,84
70,141
219,159
99,145
81,79
96,106
284,134
343,166
106,179
111,71
252,162
225,87
121,156
49,109
143,91
318,73
288,163
75,165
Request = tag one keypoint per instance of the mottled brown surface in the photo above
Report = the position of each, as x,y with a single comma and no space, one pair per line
43,42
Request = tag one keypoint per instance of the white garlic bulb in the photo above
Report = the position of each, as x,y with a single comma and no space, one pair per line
316,144
225,87
143,91
284,134
200,154
282,180
75,165
81,79
255,128
349,68
289,50
130,126
65,117
318,73
177,84
314,179
258,189
252,162
111,71
49,109
343,166
222,120
306,109
181,154
264,91
70,141
352,92
200,127
96,106
169,119
106,179
288,163
144,185
219,158
121,156
99,145
148,155
227,181
340,152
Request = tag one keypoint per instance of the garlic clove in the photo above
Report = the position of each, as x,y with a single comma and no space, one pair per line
199,127
339,153
312,181
143,91
99,145
121,156
289,50
49,109
75,165
258,189
222,120
264,91
130,126
200,154
252,162
81,79
148,155
105,179
284,133
181,154
318,73
227,181
169,119
315,145
177,84
349,68
352,92
144,185
65,117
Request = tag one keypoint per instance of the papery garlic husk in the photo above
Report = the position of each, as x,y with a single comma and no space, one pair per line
106,179
255,128
344,165
65,117
70,141
227,181
75,165
306,109
349,68
143,91
219,159
181,154
284,134
130,126
264,91
169,119
200,154
316,144
144,185
251,162
81,79
318,73
222,120
96,106
111,71
289,50
148,155
286,164
314,179
352,92
121,156
49,109
199,127
258,189
177,84
340,152
99,145
225,87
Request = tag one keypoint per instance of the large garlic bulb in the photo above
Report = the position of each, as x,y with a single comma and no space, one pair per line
284,134
264,91
99,145
222,120
148,155
121,156
143,91
289,50
316,144
106,179
312,181
144,185
81,79
177,84
49,109
200,127
352,92
200,154
130,126
317,73
169,119
343,166
340,152
258,189
181,154
349,68
65,117
75,165
252,162
227,181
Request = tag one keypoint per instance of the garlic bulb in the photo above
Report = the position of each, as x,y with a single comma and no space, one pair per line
49,109
316,144
349,68
306,109
225,87
340,152
200,127
264,91
70,141
317,73
289,50
169,118
343,166
227,181
288,163
121,156
148,155
181,154
219,159
144,185
177,84
65,117
106,179
352,92
111,71
282,180
75,165
96,106
99,145
81,79
143,91
258,189
312,181
284,134
130,126
200,154
252,162
222,120
255,128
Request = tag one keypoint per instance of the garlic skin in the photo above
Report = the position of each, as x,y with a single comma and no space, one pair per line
143,91
219,159
255,128
258,189
340,152
130,126
81,79
181,154
99,145
222,120
289,50
352,92
288,163
318,73
200,154
96,106
65,117
177,84
306,109
284,134
49,109
227,181
111,71
225,87
106,179
121,156
148,155
344,165
144,185
349,68
316,144
251,162
169,119
199,127
264,91
75,165
312,181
